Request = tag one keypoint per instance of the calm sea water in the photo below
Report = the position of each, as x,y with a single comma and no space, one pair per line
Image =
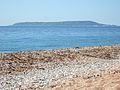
40,38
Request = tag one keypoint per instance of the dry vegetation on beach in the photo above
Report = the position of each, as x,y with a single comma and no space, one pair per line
61,69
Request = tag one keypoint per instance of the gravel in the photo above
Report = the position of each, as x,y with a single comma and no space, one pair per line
39,77
33,69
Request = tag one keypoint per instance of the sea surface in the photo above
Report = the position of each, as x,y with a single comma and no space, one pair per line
44,38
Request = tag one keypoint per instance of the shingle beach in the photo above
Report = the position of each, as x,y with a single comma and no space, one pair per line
61,69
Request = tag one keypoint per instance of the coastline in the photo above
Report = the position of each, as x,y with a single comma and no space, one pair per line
48,69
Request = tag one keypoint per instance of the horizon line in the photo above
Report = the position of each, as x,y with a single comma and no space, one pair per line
58,22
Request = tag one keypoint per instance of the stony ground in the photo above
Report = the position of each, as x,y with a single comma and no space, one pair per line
44,70
109,81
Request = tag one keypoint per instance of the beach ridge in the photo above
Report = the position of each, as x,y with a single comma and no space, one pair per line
45,69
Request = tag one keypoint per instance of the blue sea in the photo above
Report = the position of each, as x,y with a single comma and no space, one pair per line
44,38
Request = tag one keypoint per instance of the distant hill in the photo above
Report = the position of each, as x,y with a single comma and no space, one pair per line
64,24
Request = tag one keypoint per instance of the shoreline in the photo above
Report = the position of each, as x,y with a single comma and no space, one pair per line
58,48
44,70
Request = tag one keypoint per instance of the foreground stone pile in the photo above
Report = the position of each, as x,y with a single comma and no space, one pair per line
33,70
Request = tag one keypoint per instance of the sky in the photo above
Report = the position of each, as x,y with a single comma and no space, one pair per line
103,11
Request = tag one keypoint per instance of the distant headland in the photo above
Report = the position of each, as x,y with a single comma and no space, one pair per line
64,24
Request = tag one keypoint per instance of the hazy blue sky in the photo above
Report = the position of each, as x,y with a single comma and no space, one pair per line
104,11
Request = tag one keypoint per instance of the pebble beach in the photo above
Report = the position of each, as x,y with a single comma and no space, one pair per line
61,69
